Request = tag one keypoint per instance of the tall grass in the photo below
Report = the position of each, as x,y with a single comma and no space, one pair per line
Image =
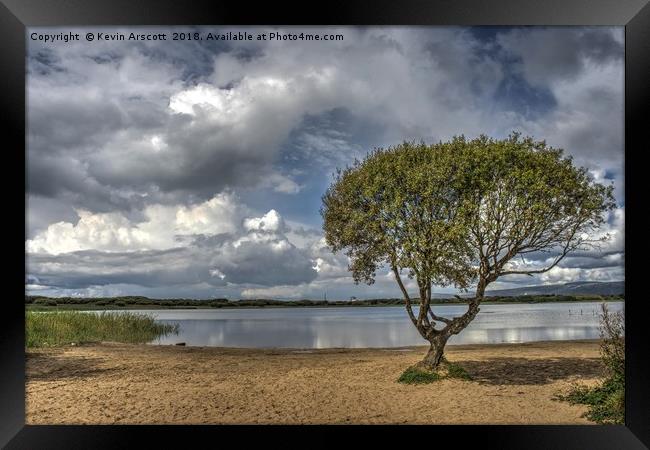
66,327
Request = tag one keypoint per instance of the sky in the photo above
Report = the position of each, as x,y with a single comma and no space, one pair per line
195,169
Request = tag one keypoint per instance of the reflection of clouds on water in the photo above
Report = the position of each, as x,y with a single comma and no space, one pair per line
524,334
356,327
243,333
366,334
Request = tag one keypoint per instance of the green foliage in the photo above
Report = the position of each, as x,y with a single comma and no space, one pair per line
402,206
607,400
53,329
421,375
415,375
455,370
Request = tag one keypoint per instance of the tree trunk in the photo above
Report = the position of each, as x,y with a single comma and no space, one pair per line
435,355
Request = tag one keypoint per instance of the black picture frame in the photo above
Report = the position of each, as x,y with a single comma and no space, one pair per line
16,15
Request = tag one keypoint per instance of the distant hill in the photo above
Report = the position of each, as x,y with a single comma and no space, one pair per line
574,288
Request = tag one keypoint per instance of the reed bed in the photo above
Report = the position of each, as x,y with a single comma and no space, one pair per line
54,329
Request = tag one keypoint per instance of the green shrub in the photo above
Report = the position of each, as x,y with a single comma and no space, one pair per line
612,346
607,400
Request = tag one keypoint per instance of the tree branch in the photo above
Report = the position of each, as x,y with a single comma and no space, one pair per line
438,318
407,299
532,272
567,248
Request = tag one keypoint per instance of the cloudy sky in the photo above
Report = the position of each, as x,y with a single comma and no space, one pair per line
196,168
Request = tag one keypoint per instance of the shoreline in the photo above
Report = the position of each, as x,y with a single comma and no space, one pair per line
112,383
63,307
422,347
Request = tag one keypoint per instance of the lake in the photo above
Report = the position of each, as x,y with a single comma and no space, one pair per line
358,327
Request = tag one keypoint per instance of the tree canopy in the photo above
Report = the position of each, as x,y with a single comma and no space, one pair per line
460,213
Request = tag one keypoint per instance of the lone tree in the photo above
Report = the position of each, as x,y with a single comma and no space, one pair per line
461,213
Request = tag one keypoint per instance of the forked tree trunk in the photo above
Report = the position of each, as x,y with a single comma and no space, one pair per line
435,354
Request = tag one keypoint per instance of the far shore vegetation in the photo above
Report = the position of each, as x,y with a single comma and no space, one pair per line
62,328
38,303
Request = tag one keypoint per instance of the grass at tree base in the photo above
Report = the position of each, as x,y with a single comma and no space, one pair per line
418,374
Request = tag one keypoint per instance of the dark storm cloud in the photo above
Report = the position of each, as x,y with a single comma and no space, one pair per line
516,94
43,211
591,261
147,268
89,129
44,62
547,54
249,263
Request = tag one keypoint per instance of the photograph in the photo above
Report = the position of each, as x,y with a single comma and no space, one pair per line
318,225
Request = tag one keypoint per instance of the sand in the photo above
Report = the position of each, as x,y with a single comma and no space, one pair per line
142,384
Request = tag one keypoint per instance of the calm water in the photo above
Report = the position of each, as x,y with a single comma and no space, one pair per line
376,326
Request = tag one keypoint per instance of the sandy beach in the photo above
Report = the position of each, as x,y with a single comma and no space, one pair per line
141,384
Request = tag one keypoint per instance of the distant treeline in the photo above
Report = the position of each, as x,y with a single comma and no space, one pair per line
131,301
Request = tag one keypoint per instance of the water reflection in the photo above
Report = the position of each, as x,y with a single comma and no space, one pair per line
355,327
